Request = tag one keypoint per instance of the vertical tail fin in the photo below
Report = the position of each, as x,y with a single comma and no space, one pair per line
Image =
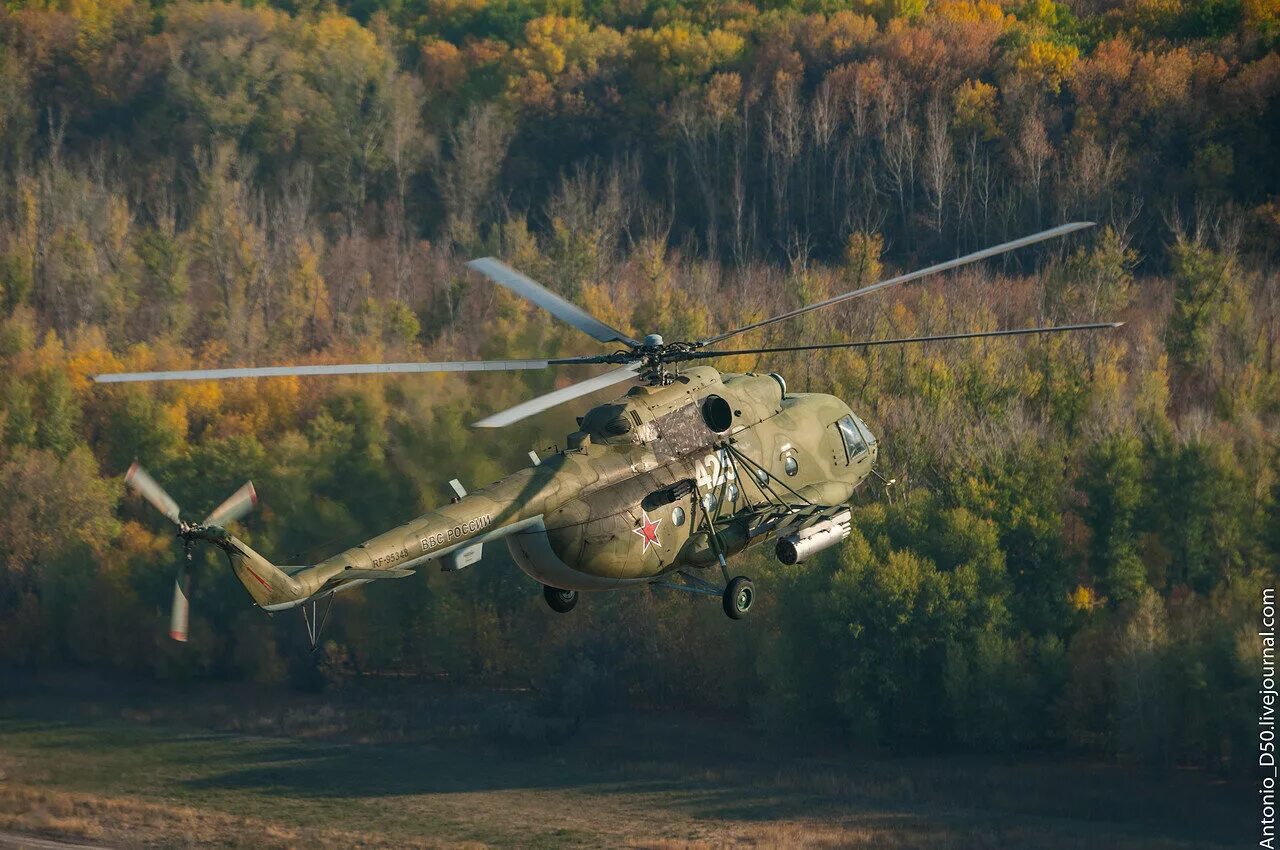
266,583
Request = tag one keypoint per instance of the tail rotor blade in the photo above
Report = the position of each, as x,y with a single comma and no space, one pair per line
237,505
146,487
180,614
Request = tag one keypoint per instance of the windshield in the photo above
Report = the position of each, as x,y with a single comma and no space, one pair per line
854,443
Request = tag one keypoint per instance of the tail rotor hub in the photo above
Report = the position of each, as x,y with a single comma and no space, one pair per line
211,530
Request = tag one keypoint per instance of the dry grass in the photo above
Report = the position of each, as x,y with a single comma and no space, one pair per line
220,770
127,822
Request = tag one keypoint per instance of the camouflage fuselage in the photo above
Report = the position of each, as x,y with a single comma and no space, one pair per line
600,515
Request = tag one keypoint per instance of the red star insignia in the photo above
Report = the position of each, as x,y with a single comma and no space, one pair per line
648,530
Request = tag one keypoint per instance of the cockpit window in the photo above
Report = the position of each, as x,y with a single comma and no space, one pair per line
855,444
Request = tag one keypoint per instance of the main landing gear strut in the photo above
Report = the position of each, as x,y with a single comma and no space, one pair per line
735,597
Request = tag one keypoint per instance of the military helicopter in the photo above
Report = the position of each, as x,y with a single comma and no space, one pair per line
661,486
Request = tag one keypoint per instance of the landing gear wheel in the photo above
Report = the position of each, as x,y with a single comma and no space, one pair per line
561,601
738,597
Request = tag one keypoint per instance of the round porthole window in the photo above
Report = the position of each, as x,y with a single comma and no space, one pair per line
791,465
733,492
762,476
709,501
677,516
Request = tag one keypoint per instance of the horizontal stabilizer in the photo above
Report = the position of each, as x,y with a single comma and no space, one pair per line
355,574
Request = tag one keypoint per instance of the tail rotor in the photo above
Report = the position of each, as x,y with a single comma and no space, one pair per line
146,487
180,611
236,507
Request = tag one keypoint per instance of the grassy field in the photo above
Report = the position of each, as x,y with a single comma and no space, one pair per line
433,767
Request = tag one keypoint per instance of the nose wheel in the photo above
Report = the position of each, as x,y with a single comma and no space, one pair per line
561,601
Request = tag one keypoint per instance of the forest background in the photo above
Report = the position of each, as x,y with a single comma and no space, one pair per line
1074,551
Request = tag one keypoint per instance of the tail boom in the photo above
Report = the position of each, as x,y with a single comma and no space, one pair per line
266,583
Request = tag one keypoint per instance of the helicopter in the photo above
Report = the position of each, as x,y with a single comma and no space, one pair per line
661,486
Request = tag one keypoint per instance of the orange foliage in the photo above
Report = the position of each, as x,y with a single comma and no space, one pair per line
829,39
919,54
971,32
443,65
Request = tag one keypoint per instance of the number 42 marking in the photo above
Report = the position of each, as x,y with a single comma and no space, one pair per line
713,470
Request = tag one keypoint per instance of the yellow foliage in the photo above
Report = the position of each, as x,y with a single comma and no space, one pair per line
201,398
85,363
50,352
175,415
280,398
829,38
862,252
559,47
975,108
137,540
724,46
1108,376
970,11
1156,14
1082,599
1261,13
676,50
1048,63
96,18
847,30
342,47
600,302
545,41
339,30
902,321
1041,11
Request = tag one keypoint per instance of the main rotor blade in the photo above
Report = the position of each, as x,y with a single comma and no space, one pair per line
503,275
337,369
236,506
569,393
867,343
180,613
146,487
995,250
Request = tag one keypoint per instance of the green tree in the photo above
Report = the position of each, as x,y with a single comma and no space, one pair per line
1112,483
1201,277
